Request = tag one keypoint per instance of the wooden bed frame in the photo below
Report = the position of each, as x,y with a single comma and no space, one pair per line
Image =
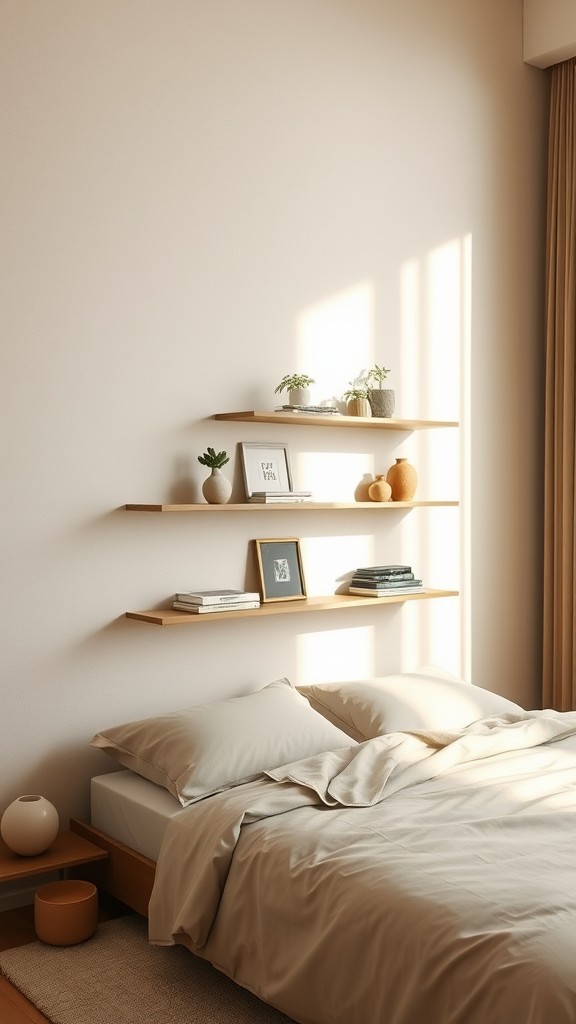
125,874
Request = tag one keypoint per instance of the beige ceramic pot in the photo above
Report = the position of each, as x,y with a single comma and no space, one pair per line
358,407
380,489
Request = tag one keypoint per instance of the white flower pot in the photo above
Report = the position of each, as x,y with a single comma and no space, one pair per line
299,396
216,488
29,825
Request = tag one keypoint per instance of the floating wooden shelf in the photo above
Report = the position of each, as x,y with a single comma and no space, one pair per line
332,420
335,602
298,506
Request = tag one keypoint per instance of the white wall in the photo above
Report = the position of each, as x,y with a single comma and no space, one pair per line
200,197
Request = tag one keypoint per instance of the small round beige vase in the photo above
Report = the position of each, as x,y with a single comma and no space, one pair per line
29,825
380,489
403,480
216,488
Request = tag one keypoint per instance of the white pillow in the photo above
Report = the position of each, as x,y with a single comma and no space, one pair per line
429,699
204,749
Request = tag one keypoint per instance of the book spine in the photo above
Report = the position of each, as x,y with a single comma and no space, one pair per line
383,580
382,569
385,584
391,592
199,609
223,599
384,574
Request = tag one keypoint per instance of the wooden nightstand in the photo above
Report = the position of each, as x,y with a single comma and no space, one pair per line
67,851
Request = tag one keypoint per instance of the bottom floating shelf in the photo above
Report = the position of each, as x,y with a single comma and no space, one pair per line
335,602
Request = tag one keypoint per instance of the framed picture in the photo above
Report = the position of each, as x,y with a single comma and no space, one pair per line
266,467
280,567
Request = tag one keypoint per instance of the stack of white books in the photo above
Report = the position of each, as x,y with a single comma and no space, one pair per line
269,497
199,601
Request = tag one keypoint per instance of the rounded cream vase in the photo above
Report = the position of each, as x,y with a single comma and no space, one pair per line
216,488
29,825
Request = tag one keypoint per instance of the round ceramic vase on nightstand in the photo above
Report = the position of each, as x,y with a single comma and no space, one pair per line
29,825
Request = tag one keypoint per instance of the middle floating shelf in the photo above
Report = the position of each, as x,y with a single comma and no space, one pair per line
299,506
335,602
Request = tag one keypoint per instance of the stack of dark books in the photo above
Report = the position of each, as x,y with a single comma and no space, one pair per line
384,581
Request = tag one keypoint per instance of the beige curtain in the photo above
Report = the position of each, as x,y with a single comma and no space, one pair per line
559,675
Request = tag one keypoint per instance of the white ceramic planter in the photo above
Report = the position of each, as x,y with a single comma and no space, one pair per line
299,396
216,488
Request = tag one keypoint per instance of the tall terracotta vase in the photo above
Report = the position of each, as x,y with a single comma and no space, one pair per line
403,480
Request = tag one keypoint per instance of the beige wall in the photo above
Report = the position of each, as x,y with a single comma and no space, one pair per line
201,197
549,31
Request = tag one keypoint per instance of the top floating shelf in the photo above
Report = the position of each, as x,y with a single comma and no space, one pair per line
332,420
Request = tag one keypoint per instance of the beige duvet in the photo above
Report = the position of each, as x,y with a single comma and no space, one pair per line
414,879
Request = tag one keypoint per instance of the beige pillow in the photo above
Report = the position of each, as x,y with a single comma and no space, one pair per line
427,699
202,750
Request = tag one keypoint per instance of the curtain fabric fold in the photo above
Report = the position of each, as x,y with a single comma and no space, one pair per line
559,622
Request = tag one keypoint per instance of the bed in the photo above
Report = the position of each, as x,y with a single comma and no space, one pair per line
424,872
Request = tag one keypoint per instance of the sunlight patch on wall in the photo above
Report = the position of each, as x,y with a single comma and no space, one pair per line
330,561
335,339
435,294
337,655
334,476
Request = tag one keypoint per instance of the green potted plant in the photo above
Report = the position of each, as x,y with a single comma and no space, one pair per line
357,403
216,487
297,385
382,400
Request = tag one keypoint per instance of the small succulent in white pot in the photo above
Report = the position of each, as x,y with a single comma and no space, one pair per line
216,487
297,385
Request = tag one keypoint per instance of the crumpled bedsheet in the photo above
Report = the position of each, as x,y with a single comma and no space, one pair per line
416,876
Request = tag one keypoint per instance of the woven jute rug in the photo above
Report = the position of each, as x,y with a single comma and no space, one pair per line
116,977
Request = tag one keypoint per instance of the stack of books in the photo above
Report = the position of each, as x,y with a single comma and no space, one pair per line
199,601
269,497
384,581
316,410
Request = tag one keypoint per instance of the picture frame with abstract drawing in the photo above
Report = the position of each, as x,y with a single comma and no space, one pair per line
281,570
266,467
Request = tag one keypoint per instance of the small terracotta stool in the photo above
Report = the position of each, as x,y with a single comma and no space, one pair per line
66,912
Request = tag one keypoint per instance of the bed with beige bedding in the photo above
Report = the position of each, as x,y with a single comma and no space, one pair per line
420,874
